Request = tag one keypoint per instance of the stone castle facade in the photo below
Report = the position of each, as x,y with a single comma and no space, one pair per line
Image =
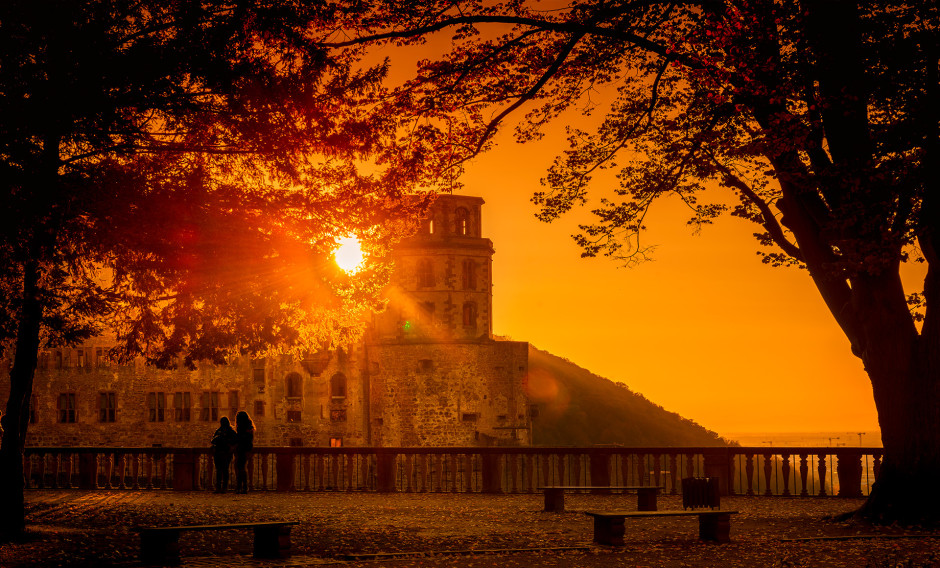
428,372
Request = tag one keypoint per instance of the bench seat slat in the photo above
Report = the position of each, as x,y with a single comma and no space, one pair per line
218,527
676,513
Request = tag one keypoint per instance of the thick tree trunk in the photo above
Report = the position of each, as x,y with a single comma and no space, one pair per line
16,420
904,368
908,485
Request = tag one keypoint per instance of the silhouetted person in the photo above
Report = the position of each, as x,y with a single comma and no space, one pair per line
245,441
223,444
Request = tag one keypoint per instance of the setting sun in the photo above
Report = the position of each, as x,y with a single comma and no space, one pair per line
348,254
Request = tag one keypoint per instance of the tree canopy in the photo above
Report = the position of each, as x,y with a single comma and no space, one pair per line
180,173
818,118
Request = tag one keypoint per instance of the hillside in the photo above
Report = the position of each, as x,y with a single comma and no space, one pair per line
578,408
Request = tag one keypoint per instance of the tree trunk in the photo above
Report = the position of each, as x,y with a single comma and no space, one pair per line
16,419
908,486
904,368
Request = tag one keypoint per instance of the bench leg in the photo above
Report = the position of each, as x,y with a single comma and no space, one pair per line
714,527
272,542
608,530
646,499
161,547
555,500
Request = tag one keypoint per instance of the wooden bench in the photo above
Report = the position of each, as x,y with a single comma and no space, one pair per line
160,545
609,525
645,495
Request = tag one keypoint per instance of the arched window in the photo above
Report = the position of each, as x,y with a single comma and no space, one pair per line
294,385
338,386
469,275
462,221
425,273
469,314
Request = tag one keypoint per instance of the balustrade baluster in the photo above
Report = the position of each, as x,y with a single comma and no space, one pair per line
122,470
785,471
164,469
263,467
513,466
690,465
768,474
452,461
305,470
468,473
151,465
56,464
528,483
749,473
109,469
135,466
43,469
657,470
674,470
822,474
804,474
439,473
68,470
350,468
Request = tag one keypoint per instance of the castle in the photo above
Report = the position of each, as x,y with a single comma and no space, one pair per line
427,372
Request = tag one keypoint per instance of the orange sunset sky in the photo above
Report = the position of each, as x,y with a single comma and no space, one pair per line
705,329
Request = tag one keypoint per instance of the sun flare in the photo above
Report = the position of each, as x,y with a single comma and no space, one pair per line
349,255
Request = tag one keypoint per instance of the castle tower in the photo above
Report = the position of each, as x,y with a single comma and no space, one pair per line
437,376
442,285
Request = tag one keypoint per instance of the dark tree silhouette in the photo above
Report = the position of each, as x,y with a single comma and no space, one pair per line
179,172
819,118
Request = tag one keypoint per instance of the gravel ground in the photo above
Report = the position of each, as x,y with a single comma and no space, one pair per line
71,528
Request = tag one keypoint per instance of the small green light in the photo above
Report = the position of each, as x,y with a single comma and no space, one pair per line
407,326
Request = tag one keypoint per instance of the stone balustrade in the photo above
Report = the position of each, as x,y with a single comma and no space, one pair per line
758,471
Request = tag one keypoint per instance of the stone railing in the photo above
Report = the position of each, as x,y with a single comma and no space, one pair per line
796,471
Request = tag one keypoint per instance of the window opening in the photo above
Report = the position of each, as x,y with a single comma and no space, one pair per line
338,386
425,273
294,385
66,407
462,221
156,405
182,406
210,406
106,406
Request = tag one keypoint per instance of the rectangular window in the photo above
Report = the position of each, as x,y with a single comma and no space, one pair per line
58,358
257,375
533,411
80,358
259,408
66,407
338,415
210,406
182,406
296,442
293,416
101,357
336,442
156,406
106,406
468,417
233,402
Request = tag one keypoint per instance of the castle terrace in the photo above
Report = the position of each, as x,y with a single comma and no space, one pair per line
357,529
